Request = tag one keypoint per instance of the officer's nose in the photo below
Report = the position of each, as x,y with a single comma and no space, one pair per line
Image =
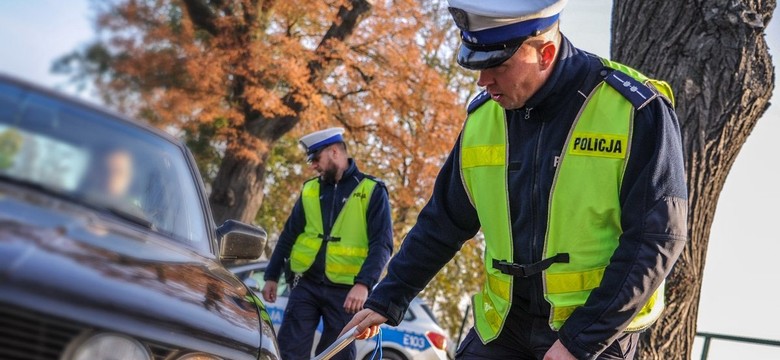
485,78
314,166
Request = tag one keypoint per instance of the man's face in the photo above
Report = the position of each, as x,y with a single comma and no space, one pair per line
513,82
325,165
118,173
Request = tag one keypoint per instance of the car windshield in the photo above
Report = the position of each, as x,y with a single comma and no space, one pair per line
109,165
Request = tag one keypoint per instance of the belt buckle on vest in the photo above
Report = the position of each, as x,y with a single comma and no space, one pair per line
510,268
328,238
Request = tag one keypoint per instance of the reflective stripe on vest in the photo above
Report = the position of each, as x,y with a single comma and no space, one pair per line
343,258
584,207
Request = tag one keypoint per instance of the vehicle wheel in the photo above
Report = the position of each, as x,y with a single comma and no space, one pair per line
388,354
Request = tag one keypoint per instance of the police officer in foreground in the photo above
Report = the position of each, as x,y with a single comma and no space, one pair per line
572,166
337,239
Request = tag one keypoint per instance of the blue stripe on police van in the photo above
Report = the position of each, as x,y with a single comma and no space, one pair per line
275,314
406,339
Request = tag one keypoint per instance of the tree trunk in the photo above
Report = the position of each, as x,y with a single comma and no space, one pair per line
237,189
714,55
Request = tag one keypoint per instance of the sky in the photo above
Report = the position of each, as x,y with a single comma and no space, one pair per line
740,283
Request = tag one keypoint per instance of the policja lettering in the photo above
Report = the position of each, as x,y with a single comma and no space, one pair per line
359,195
603,145
600,145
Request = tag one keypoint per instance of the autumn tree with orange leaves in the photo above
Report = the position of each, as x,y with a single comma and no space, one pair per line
240,80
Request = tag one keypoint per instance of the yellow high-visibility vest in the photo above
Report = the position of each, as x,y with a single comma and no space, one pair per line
584,219
348,249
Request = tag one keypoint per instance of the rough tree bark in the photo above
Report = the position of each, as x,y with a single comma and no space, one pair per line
714,54
237,189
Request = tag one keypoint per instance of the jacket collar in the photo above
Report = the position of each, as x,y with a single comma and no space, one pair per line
351,172
567,76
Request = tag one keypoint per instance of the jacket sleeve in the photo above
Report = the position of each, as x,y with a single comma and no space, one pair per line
654,220
444,224
292,228
380,237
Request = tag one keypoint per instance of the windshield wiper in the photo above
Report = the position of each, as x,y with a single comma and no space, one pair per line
137,219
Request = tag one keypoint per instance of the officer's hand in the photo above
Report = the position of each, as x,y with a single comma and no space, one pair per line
356,298
269,291
367,322
558,352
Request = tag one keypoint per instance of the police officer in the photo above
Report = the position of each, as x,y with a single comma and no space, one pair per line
337,239
572,167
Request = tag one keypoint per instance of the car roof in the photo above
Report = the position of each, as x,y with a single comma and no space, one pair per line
30,86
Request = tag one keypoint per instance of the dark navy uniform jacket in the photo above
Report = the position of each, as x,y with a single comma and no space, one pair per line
653,200
332,200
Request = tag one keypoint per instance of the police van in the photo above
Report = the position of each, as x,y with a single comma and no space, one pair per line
418,337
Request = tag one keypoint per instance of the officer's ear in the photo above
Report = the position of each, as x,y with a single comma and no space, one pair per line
547,53
340,148
334,151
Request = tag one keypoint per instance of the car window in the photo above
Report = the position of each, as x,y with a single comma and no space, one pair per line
409,316
428,311
91,158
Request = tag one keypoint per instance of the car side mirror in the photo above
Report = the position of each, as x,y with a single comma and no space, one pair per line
239,241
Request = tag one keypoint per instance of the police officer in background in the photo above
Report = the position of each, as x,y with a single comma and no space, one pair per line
337,239
572,167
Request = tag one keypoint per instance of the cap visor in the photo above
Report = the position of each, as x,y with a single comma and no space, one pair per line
481,60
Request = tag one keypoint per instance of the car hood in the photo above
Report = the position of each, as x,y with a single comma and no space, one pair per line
104,274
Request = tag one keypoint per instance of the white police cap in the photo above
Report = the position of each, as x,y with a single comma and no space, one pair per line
492,30
318,140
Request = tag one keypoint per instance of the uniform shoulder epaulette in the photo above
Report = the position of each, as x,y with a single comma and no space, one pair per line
378,182
632,89
480,99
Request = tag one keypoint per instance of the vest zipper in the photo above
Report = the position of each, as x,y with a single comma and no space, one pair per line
534,198
535,188
333,207
528,113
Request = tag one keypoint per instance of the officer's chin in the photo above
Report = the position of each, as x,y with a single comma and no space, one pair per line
508,104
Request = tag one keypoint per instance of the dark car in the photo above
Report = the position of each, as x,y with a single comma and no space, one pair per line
108,249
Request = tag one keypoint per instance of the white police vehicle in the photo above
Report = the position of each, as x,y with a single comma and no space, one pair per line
418,337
